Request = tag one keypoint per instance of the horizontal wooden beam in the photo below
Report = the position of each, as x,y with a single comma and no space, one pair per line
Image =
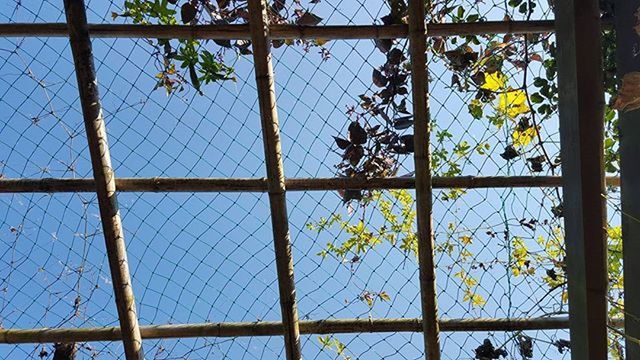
50,185
337,326
276,32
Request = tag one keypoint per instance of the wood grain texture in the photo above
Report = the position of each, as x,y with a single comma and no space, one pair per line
104,183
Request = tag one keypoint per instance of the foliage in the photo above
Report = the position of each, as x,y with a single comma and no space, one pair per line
397,227
379,134
487,351
478,64
332,343
198,63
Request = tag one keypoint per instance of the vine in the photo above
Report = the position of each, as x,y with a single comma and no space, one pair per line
380,135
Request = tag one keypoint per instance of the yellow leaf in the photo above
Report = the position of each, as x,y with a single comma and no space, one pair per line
513,103
369,301
475,299
523,138
321,42
464,253
384,296
470,282
494,81
478,300
466,239
615,232
515,271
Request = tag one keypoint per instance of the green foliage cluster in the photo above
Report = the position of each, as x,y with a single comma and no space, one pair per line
198,63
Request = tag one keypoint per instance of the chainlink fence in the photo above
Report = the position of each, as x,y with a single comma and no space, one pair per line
208,257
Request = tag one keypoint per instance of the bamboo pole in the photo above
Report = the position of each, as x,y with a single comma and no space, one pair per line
58,185
277,32
276,188
104,177
424,193
329,326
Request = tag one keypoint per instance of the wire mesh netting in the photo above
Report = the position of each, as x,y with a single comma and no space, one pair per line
208,257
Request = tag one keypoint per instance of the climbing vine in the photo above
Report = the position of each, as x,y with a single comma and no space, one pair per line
494,73
182,62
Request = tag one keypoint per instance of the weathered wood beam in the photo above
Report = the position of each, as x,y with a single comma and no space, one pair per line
329,326
103,174
581,106
628,62
424,194
265,84
50,185
277,32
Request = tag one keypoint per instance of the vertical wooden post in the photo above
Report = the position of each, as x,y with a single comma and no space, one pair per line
628,61
581,106
422,159
261,43
104,176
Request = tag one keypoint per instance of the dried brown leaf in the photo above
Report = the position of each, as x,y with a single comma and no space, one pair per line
628,97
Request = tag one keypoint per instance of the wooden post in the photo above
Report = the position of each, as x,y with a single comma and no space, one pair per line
105,185
581,106
422,159
627,44
265,84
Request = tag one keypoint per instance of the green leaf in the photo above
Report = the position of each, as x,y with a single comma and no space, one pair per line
536,98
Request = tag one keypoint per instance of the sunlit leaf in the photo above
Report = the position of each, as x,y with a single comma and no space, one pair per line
522,138
513,103
495,81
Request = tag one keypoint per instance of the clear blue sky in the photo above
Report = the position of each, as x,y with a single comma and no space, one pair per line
209,257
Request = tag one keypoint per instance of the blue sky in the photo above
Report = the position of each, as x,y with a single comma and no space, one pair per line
208,257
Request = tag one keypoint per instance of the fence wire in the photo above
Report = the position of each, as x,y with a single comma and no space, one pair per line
198,257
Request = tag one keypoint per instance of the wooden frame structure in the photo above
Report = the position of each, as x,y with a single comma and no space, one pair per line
581,124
